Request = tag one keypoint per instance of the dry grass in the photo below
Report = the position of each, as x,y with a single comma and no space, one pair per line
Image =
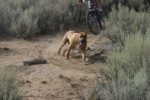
8,85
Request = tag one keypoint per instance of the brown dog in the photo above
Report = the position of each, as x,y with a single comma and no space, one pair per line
74,40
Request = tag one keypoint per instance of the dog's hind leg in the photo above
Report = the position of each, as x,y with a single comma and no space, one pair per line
68,53
64,42
64,52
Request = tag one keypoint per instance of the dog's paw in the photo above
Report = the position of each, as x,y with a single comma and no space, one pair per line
85,63
67,60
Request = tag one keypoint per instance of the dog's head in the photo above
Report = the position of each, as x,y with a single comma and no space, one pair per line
82,38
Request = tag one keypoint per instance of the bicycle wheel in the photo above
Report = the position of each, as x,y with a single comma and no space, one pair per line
93,23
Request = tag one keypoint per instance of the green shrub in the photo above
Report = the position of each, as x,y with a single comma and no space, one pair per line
125,22
42,16
8,85
26,25
127,74
138,5
26,18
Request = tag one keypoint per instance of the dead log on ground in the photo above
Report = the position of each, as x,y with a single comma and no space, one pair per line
35,61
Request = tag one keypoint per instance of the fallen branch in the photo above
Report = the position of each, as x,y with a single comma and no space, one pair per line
35,61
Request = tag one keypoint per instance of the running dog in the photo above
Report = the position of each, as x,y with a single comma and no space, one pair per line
75,40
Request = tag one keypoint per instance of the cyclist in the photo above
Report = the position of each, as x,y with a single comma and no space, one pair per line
97,4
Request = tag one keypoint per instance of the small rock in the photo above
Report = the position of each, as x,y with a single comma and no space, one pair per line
83,79
75,85
71,93
65,78
88,49
44,82
28,81
6,49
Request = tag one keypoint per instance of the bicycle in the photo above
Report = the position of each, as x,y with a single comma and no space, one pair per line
94,19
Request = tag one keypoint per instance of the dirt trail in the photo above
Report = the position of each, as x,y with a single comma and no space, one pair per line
59,79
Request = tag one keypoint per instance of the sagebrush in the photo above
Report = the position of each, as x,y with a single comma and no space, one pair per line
138,5
26,18
126,74
9,85
125,22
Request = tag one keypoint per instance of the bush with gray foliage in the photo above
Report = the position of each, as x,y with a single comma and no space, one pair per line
125,22
26,18
8,85
126,74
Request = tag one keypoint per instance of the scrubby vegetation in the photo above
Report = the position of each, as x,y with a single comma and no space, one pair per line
138,5
26,18
126,73
8,85
125,22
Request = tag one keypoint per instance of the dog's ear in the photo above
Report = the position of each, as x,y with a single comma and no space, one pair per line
82,33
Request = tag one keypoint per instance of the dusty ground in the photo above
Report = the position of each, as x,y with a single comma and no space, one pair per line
59,79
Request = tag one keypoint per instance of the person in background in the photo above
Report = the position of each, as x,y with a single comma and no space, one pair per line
97,4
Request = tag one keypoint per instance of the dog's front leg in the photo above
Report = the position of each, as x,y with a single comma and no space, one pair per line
83,56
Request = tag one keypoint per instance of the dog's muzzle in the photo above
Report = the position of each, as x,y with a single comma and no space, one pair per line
82,43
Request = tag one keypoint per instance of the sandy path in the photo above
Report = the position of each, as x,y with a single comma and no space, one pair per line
59,79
